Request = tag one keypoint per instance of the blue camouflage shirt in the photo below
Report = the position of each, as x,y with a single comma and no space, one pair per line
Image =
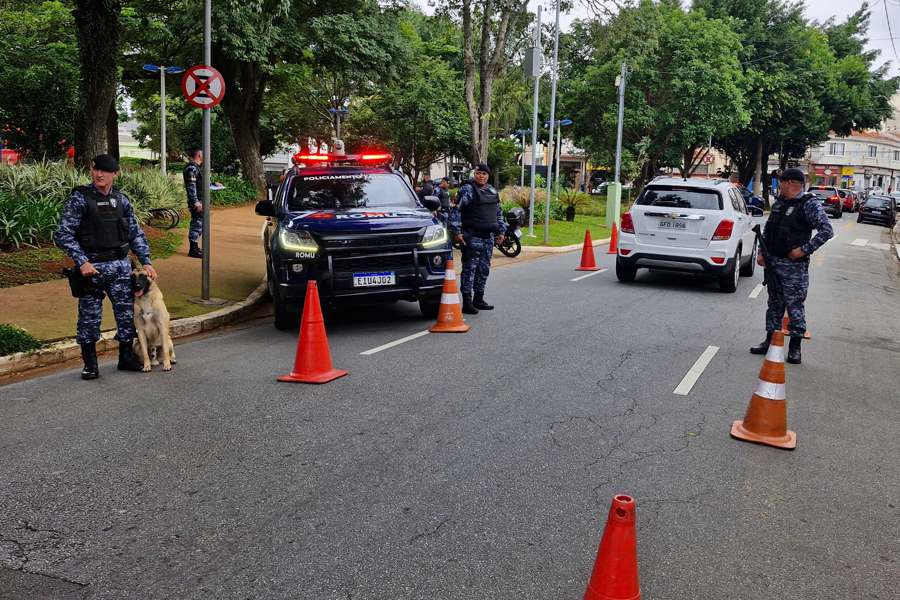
70,221
464,197
818,220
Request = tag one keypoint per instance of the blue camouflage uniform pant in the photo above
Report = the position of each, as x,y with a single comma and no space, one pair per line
113,280
196,229
788,283
476,263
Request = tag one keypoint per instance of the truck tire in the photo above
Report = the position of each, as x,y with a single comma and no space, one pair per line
625,274
285,318
430,306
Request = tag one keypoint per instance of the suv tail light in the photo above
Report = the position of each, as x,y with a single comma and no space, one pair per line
627,223
724,230
835,199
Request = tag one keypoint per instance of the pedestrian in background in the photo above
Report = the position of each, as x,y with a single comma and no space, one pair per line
193,185
789,243
96,230
475,220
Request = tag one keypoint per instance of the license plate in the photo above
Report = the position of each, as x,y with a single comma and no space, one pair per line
672,224
373,279
517,233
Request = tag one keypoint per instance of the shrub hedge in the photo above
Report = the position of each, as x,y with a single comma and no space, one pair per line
14,339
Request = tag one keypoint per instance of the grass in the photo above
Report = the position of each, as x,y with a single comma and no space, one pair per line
565,233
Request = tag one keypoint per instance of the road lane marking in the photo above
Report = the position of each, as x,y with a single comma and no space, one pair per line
588,275
859,242
395,343
694,373
756,291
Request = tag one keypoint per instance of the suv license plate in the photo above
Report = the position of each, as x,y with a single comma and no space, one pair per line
672,224
373,279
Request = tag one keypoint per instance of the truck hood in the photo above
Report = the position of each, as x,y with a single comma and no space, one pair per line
359,220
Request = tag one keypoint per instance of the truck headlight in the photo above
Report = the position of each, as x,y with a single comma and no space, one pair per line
297,241
435,235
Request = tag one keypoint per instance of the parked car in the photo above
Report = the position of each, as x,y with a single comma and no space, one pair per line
896,197
850,200
696,226
829,198
879,209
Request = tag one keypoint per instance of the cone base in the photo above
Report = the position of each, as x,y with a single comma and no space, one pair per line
323,377
612,251
786,442
438,328
592,594
587,268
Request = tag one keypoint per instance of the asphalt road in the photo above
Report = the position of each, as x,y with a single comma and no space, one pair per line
481,465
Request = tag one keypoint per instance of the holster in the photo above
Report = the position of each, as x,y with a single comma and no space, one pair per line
78,283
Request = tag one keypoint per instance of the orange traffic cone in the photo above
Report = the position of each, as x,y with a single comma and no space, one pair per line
766,418
614,240
786,329
450,319
312,363
615,575
587,254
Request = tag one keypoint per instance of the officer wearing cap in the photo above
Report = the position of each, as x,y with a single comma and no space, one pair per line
789,241
193,183
474,222
96,230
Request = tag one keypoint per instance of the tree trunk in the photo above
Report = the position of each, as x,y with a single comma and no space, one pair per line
757,171
243,106
112,130
98,32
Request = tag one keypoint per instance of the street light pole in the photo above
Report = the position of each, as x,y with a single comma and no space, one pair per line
162,118
553,80
207,159
622,76
534,120
522,176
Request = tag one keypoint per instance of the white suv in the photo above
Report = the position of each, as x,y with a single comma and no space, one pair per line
689,225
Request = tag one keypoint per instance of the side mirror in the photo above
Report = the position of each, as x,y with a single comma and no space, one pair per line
755,211
265,208
432,203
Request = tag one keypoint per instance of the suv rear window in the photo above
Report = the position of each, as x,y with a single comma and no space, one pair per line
347,190
822,192
680,197
876,202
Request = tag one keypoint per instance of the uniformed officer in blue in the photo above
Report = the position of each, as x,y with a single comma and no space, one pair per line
193,185
96,230
789,242
475,220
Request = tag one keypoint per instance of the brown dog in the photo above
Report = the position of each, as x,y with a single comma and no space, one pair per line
151,320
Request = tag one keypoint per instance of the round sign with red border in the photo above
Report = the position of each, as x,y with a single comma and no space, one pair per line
202,86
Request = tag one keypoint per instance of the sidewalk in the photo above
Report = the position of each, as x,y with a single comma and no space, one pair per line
48,310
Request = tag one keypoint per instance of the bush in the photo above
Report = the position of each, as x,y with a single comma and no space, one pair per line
569,197
237,191
13,339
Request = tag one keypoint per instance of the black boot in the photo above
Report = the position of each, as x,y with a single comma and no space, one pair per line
89,356
764,347
479,302
127,359
793,356
468,307
195,251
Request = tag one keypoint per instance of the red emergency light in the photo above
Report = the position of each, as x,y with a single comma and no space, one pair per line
379,158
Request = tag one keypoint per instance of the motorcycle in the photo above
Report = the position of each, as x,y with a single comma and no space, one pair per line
511,245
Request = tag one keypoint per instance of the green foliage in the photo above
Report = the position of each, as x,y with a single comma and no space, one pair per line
14,339
569,197
502,154
237,191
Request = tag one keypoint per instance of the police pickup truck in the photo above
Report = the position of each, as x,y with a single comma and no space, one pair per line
354,225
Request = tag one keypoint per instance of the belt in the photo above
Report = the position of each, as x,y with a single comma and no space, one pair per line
108,255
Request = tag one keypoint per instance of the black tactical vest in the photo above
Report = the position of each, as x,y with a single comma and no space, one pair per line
787,227
197,172
103,225
480,216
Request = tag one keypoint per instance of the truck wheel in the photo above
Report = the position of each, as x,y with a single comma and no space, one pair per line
285,318
625,274
430,306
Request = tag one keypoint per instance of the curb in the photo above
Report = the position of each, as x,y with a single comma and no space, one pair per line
562,249
895,240
69,349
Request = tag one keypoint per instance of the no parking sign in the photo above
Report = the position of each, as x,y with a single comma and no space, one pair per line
203,86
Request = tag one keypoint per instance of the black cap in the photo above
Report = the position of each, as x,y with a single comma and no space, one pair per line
793,175
483,167
105,162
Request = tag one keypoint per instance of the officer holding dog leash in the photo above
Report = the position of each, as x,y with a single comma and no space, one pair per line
96,230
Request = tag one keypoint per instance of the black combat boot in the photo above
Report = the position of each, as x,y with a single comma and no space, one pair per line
793,356
127,359
195,251
764,347
89,356
479,302
468,307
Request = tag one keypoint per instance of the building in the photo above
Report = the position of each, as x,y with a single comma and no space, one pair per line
862,160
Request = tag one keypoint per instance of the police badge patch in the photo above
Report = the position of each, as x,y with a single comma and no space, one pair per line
790,210
112,202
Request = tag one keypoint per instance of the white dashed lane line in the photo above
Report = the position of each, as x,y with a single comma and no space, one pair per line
694,373
756,291
588,275
859,242
408,338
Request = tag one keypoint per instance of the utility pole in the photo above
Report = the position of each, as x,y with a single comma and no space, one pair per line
553,80
162,118
558,149
207,158
536,73
614,190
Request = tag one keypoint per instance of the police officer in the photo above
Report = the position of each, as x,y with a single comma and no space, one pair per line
474,221
789,242
96,230
193,185
443,194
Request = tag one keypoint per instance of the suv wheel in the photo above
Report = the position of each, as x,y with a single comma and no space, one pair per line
430,306
624,273
285,318
840,213
728,282
748,269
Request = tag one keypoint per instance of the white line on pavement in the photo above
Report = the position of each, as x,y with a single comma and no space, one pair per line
588,275
694,373
395,343
859,242
756,291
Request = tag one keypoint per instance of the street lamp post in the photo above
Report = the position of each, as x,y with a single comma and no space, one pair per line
338,114
163,71
522,133
559,125
554,77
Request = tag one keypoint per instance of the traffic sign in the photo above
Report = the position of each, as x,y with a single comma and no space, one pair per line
203,86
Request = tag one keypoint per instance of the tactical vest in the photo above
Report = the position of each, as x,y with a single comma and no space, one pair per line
198,174
480,216
103,224
787,227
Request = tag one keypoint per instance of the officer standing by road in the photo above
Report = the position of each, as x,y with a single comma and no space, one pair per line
193,185
474,221
789,242
96,230
443,194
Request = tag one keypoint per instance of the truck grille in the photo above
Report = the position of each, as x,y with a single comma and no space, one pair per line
374,263
353,242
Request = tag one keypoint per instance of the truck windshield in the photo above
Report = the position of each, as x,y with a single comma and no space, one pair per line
340,191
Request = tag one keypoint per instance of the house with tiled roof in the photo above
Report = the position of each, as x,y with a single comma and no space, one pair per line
861,160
